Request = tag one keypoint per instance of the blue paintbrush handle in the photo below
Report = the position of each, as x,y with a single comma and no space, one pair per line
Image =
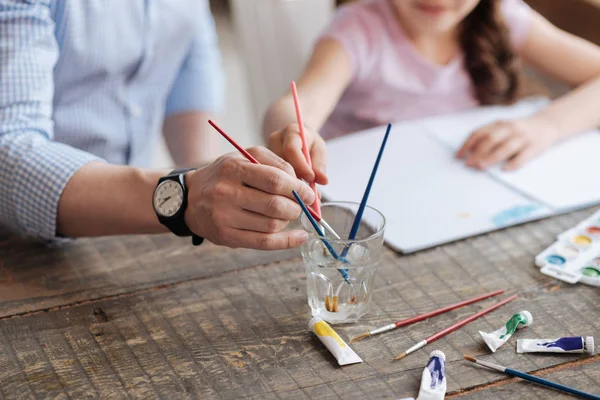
334,253
544,382
363,203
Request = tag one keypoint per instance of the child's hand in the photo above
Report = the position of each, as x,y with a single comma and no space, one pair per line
287,144
515,142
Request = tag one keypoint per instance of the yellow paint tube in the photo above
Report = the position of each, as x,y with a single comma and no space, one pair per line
334,343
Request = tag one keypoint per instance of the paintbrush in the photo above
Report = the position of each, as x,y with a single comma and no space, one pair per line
531,378
358,218
363,203
320,233
421,317
331,302
453,327
305,150
255,161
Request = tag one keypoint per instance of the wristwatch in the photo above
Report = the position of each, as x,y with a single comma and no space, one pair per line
170,202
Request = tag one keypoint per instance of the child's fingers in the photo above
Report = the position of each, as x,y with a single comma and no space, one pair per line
471,142
318,154
292,153
486,145
520,158
474,141
275,143
503,152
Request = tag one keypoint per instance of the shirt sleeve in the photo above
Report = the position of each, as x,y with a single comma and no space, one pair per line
201,81
517,16
33,169
350,28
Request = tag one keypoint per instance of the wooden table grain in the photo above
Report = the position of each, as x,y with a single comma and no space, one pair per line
153,317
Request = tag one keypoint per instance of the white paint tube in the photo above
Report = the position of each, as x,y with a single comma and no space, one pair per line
433,380
336,345
571,344
500,336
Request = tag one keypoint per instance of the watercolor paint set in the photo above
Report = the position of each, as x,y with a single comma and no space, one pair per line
575,256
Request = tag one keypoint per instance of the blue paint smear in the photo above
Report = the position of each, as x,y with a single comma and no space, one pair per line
514,214
437,369
566,343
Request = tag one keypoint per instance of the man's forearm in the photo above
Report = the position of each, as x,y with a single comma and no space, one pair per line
103,199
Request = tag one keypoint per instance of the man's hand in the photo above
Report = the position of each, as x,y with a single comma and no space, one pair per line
235,203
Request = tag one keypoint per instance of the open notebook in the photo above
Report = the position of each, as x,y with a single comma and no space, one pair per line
430,198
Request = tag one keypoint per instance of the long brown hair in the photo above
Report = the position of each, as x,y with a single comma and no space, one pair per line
489,58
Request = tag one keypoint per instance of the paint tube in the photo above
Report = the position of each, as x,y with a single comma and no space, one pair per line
340,350
572,344
500,336
433,380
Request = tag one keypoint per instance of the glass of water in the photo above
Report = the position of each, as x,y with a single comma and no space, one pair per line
340,291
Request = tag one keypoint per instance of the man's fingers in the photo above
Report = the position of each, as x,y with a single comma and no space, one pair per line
251,221
266,204
267,157
274,181
266,241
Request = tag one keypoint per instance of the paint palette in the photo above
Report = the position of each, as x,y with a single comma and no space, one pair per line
575,257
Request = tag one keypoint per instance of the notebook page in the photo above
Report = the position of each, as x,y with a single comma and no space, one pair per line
427,197
562,177
565,177
453,130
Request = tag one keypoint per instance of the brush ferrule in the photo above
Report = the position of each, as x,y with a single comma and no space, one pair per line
383,329
329,229
416,347
493,366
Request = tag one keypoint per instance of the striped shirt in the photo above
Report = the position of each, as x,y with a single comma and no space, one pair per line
84,80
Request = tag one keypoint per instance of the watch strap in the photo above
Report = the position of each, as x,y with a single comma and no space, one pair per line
178,226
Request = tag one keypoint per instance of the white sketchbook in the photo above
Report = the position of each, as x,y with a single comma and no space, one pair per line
430,198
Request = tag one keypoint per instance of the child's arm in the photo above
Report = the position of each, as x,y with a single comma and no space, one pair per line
565,57
326,77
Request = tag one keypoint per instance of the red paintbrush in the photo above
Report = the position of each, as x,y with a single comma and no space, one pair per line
305,150
422,317
453,327
255,161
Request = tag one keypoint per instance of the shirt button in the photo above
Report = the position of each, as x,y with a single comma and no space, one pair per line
135,110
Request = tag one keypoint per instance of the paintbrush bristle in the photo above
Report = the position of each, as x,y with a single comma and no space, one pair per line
360,337
469,358
400,357
334,304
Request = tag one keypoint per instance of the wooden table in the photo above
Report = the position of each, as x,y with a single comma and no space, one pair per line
153,317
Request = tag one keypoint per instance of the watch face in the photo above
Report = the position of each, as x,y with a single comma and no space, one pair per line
168,198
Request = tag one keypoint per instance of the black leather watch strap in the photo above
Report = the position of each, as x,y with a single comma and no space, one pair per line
178,225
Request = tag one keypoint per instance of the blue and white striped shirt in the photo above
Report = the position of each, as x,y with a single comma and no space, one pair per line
82,80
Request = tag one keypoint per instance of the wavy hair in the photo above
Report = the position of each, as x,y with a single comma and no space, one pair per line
489,58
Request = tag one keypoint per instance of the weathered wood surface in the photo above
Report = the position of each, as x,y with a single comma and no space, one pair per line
151,317
35,277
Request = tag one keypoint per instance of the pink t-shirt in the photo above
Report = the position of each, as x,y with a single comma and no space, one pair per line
391,80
